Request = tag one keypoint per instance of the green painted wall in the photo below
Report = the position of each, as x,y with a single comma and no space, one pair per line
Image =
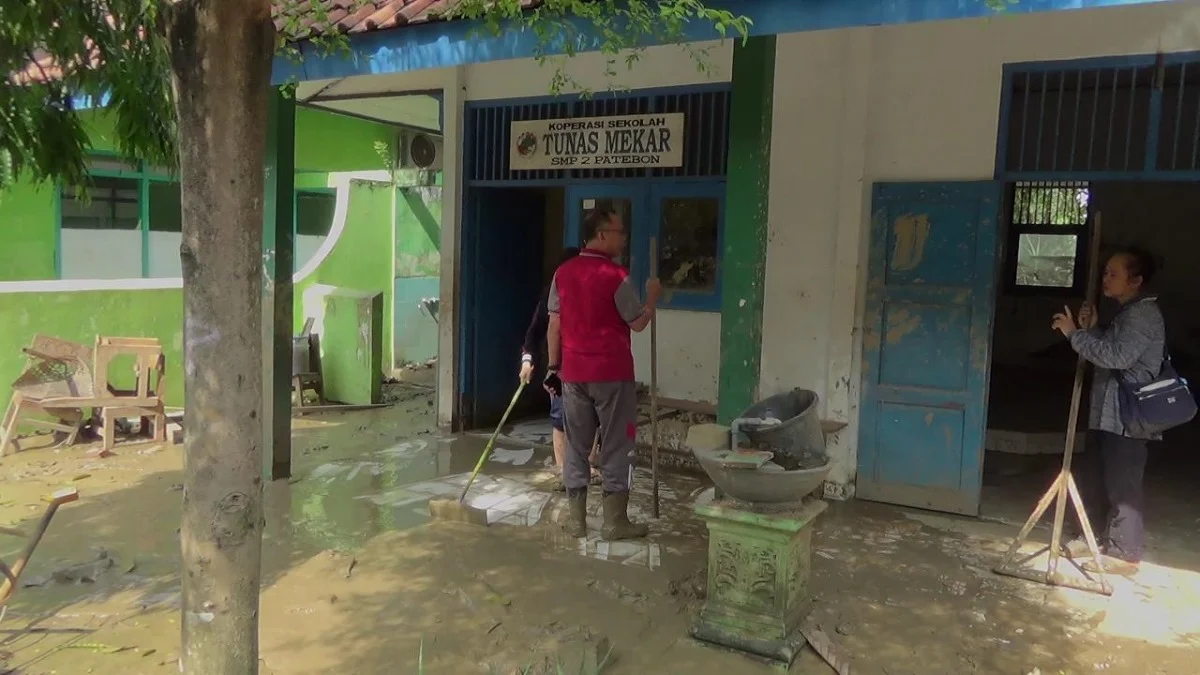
326,143
29,212
28,250
361,258
418,231
417,269
333,143
353,321
81,315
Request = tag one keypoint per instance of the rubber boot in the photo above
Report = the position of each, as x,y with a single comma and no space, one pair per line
617,525
576,525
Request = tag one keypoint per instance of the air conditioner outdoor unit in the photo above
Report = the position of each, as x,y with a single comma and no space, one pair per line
421,151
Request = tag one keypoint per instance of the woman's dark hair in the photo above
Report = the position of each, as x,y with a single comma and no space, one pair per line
1139,262
568,253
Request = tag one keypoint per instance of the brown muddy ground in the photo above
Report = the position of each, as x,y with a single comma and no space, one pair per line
357,580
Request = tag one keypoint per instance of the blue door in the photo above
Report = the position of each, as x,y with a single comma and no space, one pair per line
926,344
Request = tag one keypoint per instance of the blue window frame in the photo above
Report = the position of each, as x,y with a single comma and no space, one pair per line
686,219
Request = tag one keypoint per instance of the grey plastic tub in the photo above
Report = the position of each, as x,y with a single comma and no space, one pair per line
789,425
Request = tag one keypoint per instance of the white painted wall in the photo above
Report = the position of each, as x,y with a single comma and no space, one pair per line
670,66
900,103
101,254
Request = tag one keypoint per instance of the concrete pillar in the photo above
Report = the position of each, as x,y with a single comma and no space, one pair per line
454,96
746,200
279,261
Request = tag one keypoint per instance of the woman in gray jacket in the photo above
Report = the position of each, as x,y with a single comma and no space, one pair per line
1131,347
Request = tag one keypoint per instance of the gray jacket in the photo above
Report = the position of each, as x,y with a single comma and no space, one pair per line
1133,345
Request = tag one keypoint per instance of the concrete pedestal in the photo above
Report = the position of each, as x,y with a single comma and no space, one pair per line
758,570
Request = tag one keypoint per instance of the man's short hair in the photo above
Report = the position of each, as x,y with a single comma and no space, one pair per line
595,220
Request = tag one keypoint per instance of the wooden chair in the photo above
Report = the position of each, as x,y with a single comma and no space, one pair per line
306,365
55,369
145,400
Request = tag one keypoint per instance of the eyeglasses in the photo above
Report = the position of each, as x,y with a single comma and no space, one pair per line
621,232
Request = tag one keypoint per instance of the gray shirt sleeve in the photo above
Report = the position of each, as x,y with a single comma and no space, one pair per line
629,305
552,299
1120,347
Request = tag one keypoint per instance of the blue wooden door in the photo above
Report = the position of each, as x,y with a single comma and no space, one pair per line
926,344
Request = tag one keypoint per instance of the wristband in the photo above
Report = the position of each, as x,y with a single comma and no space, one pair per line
527,358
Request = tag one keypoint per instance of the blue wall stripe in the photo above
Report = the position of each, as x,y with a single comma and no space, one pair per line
456,43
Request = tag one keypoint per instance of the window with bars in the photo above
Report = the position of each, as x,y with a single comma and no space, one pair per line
1137,118
1047,234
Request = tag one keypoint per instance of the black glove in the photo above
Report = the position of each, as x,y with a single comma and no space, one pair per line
552,382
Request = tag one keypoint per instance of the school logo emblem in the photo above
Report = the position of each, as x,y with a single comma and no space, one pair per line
527,144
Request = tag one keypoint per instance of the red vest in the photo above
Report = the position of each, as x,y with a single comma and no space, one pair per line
595,339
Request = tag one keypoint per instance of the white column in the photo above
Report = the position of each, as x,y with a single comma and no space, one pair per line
844,358
453,100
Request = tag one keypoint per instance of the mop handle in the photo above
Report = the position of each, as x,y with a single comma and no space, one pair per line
487,450
654,385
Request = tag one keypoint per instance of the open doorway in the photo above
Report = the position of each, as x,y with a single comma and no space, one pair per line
511,243
1044,268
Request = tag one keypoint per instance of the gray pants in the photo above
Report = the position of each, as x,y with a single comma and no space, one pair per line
610,407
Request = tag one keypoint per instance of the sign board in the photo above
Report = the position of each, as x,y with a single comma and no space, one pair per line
617,142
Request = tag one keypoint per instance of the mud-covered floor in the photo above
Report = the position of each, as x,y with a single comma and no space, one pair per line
357,580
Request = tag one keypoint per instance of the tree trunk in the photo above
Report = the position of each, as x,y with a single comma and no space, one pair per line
221,53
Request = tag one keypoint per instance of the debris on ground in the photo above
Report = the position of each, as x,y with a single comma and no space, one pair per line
79,573
692,586
618,591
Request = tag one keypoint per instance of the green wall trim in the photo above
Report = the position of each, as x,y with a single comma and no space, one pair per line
279,241
746,205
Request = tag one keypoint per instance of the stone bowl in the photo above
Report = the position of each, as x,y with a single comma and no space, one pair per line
769,484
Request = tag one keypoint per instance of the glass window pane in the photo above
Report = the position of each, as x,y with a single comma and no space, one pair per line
101,235
1047,260
623,208
166,225
314,220
687,245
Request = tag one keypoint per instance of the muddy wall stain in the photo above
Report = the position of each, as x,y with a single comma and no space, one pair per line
911,232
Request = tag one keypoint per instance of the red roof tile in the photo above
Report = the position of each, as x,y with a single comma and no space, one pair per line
348,16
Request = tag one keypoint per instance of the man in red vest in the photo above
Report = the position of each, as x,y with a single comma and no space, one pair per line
593,306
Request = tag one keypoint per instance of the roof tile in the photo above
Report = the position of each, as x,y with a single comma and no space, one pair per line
367,16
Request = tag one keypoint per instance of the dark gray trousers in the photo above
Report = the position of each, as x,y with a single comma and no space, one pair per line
1110,482
611,408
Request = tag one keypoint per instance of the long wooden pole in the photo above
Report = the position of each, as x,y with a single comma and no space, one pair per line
654,382
1063,487
1060,507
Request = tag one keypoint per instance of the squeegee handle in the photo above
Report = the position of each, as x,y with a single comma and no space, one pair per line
487,450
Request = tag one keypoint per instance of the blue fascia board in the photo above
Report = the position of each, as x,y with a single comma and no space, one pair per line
456,43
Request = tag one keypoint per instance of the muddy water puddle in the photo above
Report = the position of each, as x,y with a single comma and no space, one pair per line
357,579
348,539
